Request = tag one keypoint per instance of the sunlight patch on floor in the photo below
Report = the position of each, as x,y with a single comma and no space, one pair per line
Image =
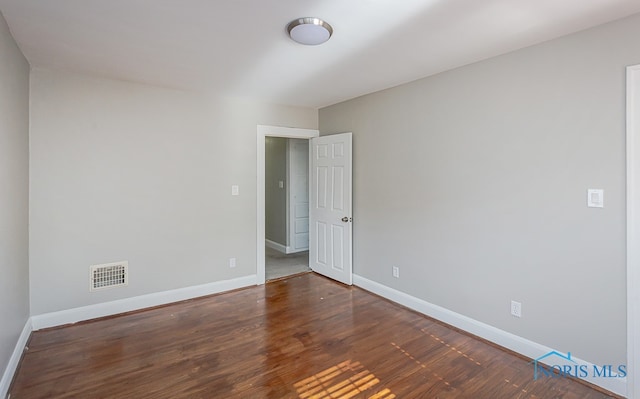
342,381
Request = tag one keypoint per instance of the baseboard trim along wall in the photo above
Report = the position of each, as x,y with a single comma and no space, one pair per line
83,313
14,361
277,246
505,339
139,302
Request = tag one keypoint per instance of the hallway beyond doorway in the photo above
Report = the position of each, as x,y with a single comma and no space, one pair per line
278,265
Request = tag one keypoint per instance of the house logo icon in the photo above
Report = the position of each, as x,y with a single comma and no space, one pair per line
564,358
555,364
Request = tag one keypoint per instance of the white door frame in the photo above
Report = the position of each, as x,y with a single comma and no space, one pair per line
263,132
633,231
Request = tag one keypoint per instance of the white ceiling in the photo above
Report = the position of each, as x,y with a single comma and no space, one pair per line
240,47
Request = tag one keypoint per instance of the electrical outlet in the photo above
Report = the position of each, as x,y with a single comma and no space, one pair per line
232,262
395,271
516,309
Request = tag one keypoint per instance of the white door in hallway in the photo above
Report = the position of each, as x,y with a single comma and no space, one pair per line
330,208
298,191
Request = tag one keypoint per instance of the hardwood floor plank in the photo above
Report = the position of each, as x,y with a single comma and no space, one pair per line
303,337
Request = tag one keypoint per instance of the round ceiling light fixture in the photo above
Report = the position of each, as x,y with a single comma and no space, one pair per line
309,31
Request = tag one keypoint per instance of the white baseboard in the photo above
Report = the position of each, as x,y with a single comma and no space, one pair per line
75,315
277,246
14,361
505,339
290,250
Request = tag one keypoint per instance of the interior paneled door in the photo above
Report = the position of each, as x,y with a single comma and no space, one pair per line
298,201
330,217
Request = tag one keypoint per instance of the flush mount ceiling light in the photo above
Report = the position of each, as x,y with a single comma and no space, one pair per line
309,31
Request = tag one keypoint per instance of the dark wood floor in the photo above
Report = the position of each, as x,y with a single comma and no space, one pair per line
303,337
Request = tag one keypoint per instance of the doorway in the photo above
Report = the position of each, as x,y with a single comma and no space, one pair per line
262,133
286,207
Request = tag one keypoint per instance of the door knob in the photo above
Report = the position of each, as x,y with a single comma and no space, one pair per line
346,219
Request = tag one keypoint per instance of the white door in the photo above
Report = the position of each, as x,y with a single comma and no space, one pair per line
330,215
298,201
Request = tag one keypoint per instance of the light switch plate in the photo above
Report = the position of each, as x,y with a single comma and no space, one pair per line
235,190
280,184
595,198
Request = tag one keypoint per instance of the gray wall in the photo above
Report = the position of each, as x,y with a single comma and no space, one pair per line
124,171
14,193
474,183
275,197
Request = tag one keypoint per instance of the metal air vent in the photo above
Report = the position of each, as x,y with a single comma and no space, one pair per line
108,275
